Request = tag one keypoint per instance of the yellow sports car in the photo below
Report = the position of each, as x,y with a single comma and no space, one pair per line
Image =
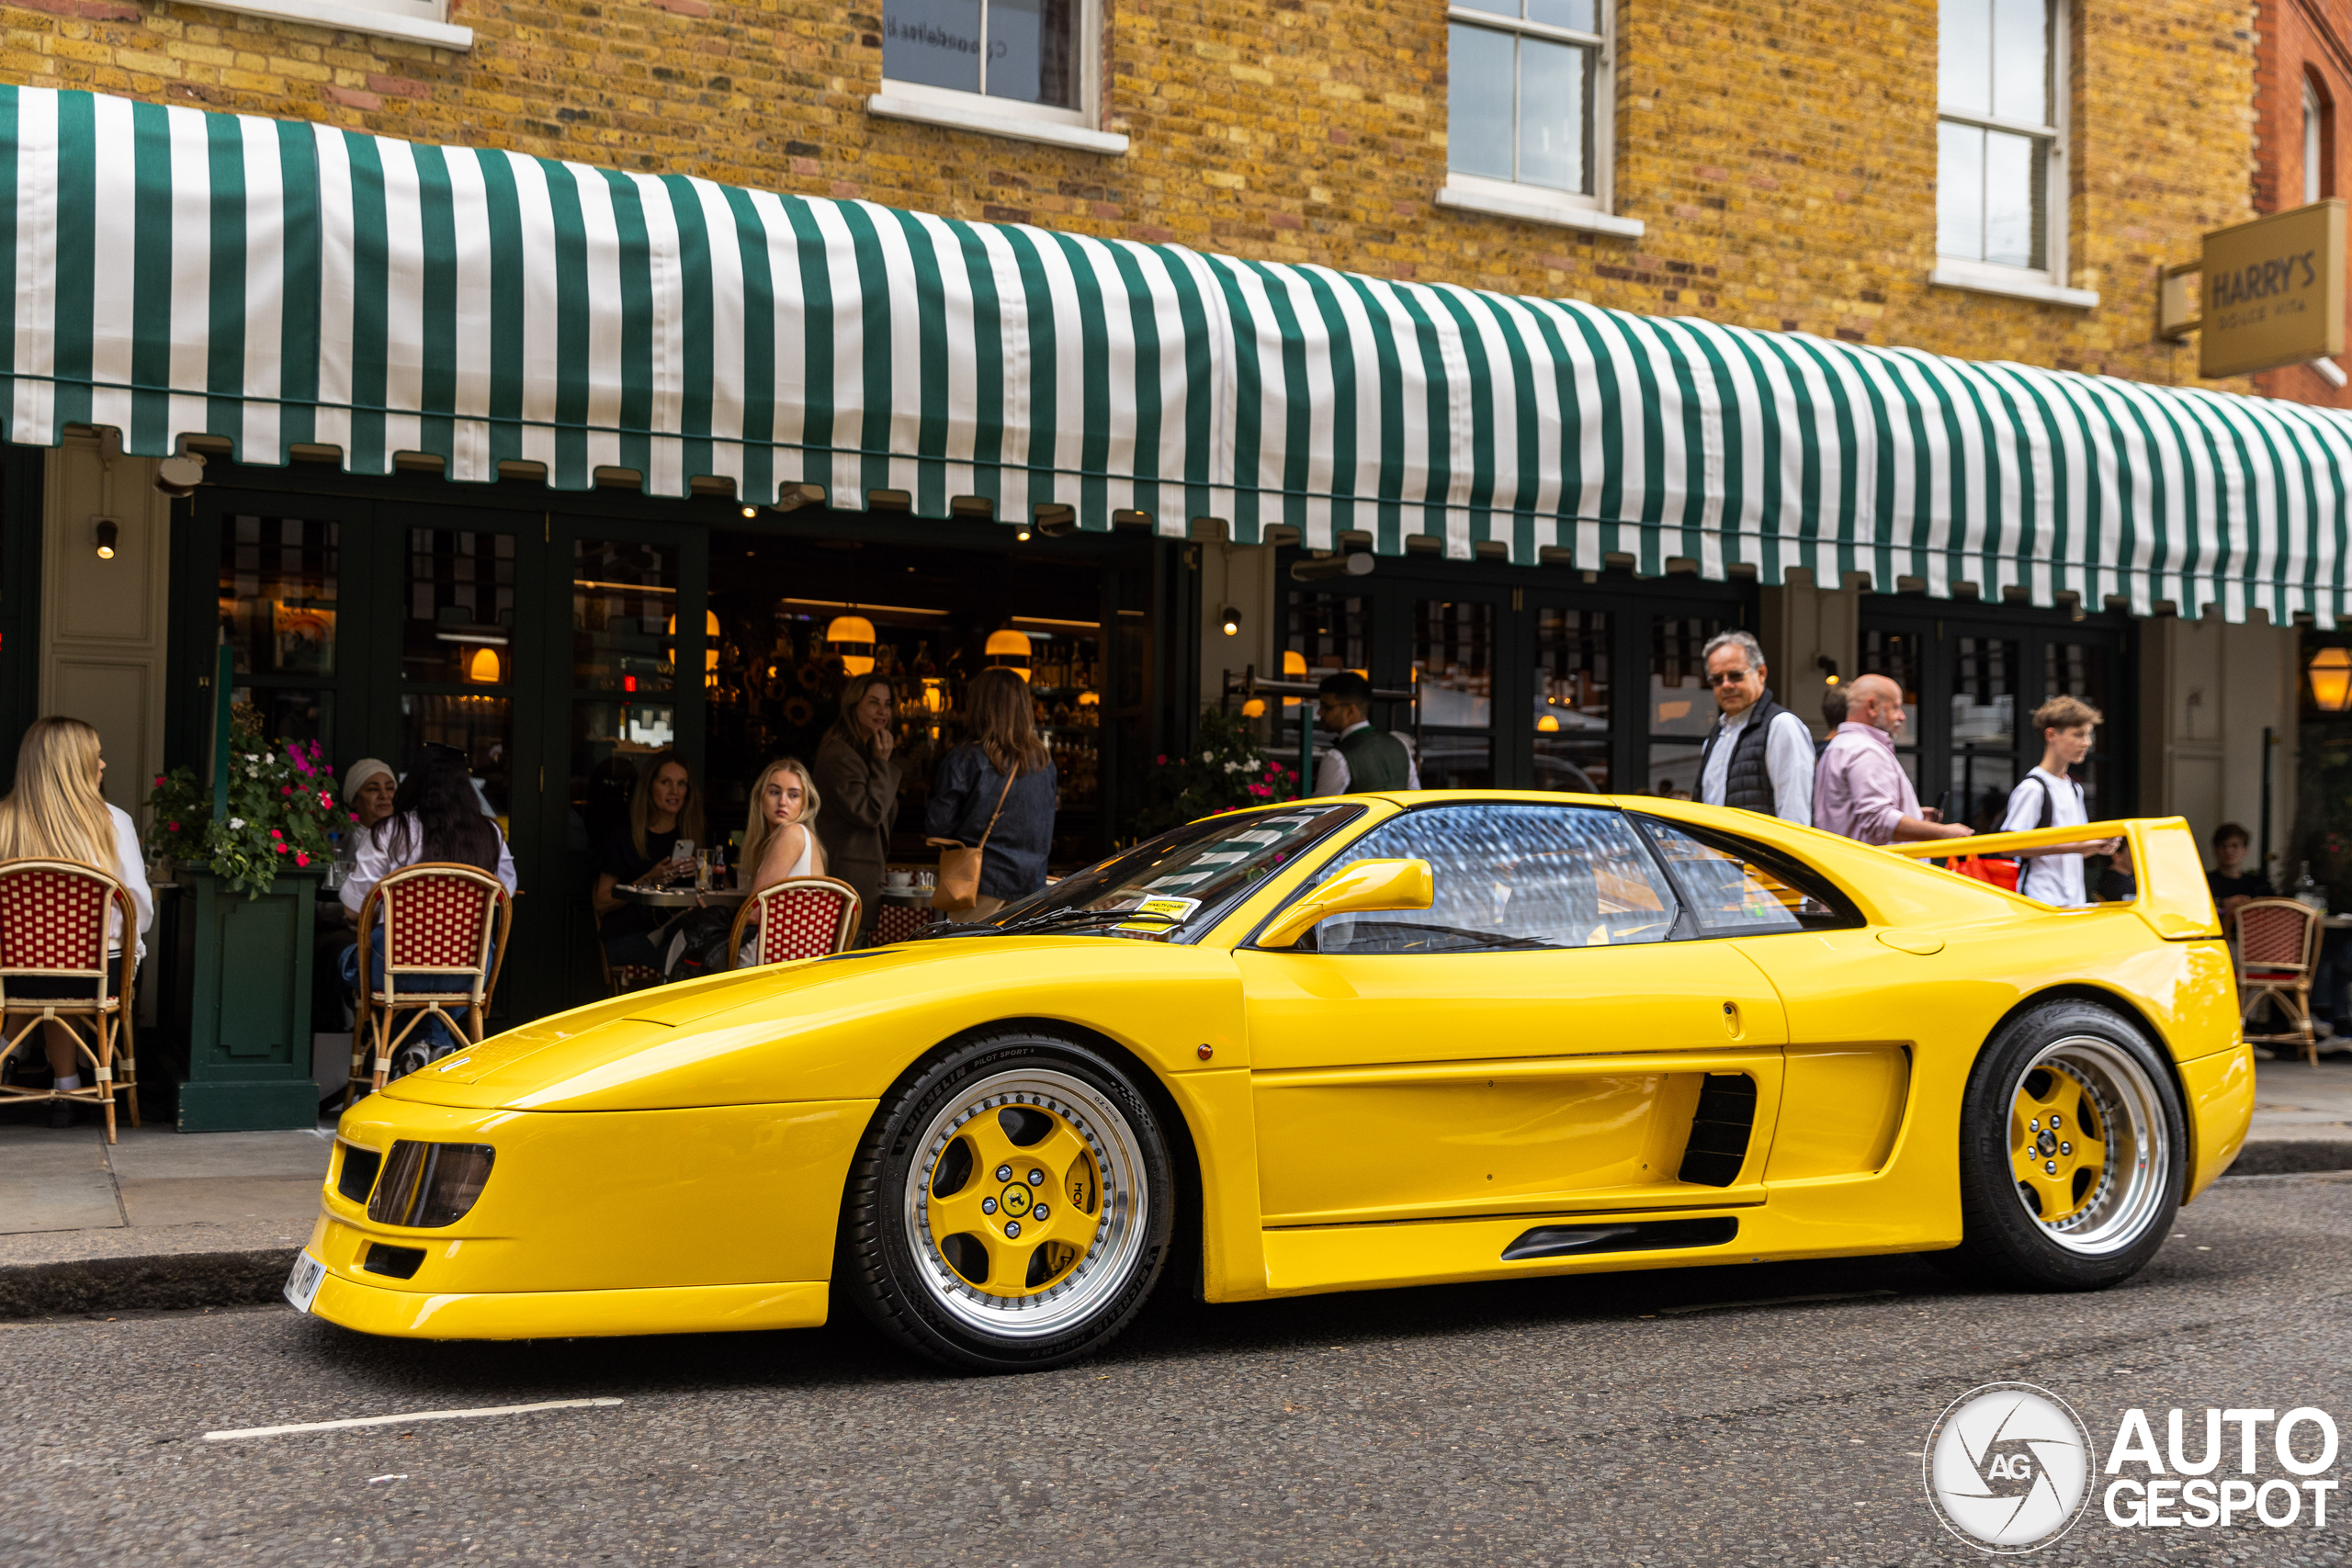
1345,1042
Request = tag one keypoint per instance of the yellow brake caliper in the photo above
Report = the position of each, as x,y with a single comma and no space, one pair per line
1019,1199
2050,1139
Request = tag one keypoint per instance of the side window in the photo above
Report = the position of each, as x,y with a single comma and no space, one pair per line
1732,889
1511,876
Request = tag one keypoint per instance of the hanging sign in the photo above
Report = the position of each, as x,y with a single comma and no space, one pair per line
2273,291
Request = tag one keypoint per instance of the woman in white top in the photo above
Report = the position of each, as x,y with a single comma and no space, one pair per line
780,840
56,813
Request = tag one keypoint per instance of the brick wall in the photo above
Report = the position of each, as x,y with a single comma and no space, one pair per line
1781,151
2300,40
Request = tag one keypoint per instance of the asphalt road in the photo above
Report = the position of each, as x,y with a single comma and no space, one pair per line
1691,1417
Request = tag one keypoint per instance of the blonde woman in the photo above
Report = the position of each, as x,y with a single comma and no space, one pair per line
780,839
56,813
997,790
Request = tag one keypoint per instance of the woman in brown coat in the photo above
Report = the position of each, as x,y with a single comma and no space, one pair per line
859,784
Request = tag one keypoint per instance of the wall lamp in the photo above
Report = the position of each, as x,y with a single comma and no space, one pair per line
1229,621
107,533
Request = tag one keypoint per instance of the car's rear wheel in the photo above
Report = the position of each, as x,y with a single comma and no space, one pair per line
2073,1148
1011,1206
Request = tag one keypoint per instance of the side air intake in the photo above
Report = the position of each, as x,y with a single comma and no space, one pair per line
1719,1131
1634,1235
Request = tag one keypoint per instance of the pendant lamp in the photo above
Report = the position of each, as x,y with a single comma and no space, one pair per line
2330,671
851,639
1008,650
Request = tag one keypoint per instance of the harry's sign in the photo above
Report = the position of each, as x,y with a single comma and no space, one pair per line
2273,291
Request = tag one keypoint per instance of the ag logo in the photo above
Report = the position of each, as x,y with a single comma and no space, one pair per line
2007,1468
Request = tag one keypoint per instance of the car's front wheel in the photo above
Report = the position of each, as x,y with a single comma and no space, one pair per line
2074,1149
1011,1206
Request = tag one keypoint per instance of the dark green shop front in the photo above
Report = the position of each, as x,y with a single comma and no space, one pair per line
560,639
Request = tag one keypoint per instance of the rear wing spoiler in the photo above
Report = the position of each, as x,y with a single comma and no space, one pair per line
2175,899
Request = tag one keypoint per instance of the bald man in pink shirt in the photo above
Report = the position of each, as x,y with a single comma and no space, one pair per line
1860,788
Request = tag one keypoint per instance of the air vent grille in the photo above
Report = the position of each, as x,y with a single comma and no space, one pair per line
1719,1131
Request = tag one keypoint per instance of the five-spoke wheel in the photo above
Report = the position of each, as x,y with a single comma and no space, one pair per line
2073,1149
1011,1205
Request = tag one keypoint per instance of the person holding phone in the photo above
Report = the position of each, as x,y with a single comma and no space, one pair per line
655,846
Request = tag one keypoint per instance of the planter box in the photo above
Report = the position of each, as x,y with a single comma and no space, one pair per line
249,1006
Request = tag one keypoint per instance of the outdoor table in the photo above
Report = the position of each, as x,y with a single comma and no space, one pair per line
911,898
682,895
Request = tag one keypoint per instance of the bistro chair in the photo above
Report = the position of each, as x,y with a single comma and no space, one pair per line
2277,953
53,927
898,922
440,918
801,916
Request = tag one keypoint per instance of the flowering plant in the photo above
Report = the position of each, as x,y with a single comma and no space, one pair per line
1224,772
282,808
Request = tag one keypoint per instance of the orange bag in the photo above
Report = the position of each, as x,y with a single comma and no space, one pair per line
2002,873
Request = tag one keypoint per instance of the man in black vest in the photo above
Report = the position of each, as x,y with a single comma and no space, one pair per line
1363,760
1759,755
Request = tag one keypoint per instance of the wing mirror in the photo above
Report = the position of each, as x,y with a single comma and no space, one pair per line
1366,887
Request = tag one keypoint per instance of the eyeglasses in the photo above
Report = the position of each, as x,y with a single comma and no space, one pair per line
1727,678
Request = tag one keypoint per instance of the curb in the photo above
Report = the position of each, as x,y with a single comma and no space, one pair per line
168,1281
2280,1158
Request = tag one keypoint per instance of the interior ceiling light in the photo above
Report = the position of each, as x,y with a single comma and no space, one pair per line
850,639
1008,650
1229,619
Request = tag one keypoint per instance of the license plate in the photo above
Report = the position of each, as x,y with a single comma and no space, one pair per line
302,1285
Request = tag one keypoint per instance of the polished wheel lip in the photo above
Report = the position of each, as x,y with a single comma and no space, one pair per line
1109,1259
2131,1192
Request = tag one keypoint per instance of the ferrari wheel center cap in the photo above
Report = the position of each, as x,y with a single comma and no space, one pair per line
1015,1199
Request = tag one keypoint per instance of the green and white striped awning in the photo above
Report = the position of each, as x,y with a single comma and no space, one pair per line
178,273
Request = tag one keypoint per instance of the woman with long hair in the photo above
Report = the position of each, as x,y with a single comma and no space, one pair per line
997,790
56,813
664,816
780,839
860,784
436,816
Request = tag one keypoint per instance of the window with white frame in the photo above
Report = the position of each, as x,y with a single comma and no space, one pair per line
2000,142
2314,143
1527,107
1022,68
420,21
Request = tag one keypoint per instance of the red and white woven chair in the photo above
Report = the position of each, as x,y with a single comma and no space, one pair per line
801,916
897,922
52,928
440,918
2277,953
620,977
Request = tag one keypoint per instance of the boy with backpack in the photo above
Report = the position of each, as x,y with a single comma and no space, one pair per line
2049,797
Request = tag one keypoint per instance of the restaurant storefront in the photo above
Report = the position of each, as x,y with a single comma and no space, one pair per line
560,641
563,466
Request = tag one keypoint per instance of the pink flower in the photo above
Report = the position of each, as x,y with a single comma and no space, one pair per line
171,826
1261,791
276,834
354,816
159,781
288,790
281,849
302,858
1163,763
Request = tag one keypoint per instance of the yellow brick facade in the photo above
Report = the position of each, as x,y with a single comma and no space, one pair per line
1781,152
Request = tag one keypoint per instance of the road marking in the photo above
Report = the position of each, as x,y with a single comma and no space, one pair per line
403,1420
1779,1302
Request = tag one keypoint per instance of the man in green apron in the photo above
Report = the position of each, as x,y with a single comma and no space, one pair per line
1362,759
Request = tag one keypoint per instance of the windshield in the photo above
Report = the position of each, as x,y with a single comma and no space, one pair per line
1172,887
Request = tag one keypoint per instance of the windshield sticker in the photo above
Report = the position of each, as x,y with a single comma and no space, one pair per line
1181,908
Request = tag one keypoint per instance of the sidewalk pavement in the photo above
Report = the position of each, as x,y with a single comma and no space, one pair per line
160,1218
167,1219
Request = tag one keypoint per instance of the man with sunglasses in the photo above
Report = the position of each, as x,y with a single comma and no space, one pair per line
1758,756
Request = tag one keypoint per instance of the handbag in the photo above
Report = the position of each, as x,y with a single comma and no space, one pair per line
958,885
1995,869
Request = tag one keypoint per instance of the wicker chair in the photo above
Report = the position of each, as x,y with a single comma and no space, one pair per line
53,927
897,922
440,918
801,916
2277,953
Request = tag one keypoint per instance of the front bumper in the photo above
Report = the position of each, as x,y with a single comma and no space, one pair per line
638,1222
